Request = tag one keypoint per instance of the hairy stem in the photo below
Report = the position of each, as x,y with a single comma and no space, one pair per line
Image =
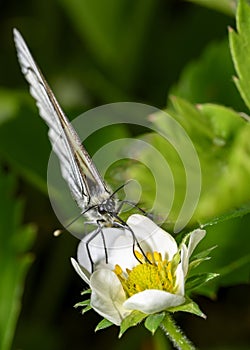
175,334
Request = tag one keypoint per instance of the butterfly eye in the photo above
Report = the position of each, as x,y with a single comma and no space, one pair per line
102,209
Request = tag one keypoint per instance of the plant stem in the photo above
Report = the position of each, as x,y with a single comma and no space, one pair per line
175,334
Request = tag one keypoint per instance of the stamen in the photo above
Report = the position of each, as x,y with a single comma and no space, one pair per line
118,270
149,257
139,256
157,256
151,273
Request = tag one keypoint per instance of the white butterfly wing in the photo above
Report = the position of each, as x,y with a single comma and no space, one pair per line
78,170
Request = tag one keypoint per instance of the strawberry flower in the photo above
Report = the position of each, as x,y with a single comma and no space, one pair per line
148,279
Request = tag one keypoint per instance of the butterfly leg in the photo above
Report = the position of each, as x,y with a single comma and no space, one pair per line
88,250
99,230
103,240
123,224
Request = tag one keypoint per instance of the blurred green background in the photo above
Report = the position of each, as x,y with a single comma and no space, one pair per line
92,53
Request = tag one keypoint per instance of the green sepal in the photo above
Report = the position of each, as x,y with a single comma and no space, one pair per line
175,261
103,324
189,306
203,254
196,281
131,320
153,321
86,309
86,291
197,262
199,258
85,304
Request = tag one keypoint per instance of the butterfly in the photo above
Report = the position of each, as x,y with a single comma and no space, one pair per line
86,185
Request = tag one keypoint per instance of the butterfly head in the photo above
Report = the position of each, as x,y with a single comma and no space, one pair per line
108,206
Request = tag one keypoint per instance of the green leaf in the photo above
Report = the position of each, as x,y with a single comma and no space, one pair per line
189,306
225,6
103,324
209,78
131,320
152,322
15,260
220,137
230,191
233,214
225,121
196,281
240,50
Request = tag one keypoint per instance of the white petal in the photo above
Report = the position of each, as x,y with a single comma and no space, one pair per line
152,237
80,271
180,279
152,300
184,258
108,296
195,237
119,245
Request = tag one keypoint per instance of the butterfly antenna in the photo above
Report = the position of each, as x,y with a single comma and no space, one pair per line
119,188
58,232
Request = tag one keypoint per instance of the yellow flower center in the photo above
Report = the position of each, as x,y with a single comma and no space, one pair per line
151,273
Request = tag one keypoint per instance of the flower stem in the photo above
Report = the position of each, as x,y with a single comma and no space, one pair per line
175,334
